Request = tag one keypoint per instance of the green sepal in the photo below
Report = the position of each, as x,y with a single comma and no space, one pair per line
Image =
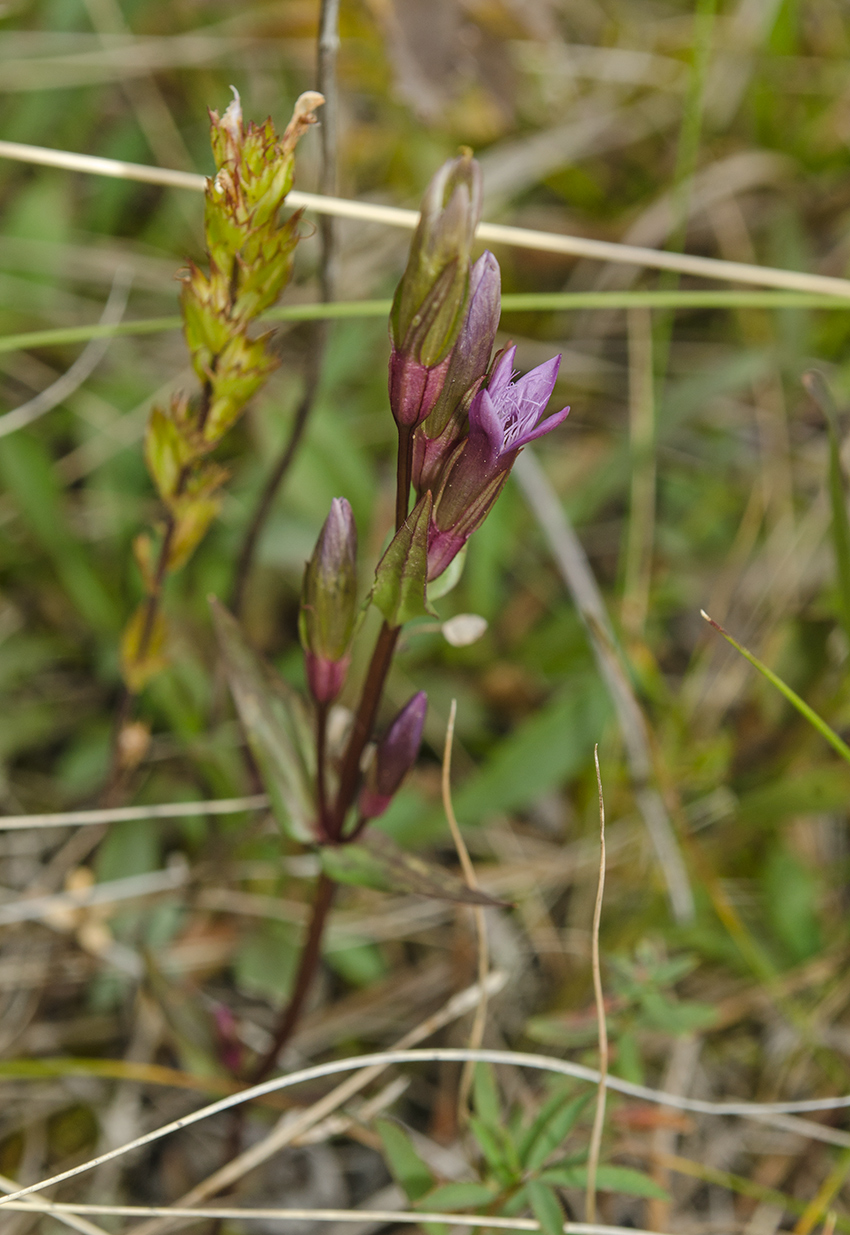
166,453
399,587
375,861
276,725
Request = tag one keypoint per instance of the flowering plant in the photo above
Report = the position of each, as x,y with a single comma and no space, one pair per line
462,416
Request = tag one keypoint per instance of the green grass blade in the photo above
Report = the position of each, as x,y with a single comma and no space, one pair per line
793,698
518,302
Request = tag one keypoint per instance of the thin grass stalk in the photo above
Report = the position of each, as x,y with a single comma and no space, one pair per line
817,722
601,1024
476,1033
378,1060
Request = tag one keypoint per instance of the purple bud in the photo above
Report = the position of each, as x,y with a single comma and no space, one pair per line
429,301
329,603
447,423
395,756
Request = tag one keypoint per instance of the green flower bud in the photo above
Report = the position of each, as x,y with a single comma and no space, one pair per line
329,603
430,299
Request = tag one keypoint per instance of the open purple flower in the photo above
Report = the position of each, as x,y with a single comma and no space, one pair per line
502,419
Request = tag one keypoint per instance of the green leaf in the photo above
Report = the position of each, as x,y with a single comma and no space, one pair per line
492,1143
554,1123
817,722
375,861
399,587
486,1095
276,726
546,1208
409,1170
608,1179
450,1197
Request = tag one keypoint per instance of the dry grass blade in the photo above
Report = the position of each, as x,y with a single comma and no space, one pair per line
493,233
602,1028
293,1126
370,1066
127,814
476,1033
387,1216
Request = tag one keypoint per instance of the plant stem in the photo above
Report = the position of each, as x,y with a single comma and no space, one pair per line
321,759
373,688
322,901
404,469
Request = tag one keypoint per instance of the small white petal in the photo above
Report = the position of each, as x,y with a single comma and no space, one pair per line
463,629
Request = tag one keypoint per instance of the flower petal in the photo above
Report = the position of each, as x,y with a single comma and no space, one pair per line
545,426
533,391
485,423
502,373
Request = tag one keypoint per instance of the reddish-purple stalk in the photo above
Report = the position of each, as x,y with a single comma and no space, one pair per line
331,822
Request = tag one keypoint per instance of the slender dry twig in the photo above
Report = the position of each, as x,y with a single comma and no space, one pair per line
294,1124
494,233
44,1206
125,814
476,1033
602,1028
384,1216
81,369
369,1066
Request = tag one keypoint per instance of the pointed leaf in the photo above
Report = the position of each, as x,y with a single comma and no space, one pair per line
275,725
546,1207
550,1129
399,587
375,861
410,1171
486,1096
492,1143
608,1179
459,1196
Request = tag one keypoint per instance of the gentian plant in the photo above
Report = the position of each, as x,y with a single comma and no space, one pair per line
462,417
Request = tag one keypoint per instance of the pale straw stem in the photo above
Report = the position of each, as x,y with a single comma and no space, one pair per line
476,1033
602,1028
493,233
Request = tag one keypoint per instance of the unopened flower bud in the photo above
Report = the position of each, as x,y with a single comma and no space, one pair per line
329,603
437,436
395,756
429,301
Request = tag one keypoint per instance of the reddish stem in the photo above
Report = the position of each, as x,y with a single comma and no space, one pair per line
322,901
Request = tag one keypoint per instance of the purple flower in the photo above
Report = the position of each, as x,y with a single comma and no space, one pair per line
503,418
395,756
